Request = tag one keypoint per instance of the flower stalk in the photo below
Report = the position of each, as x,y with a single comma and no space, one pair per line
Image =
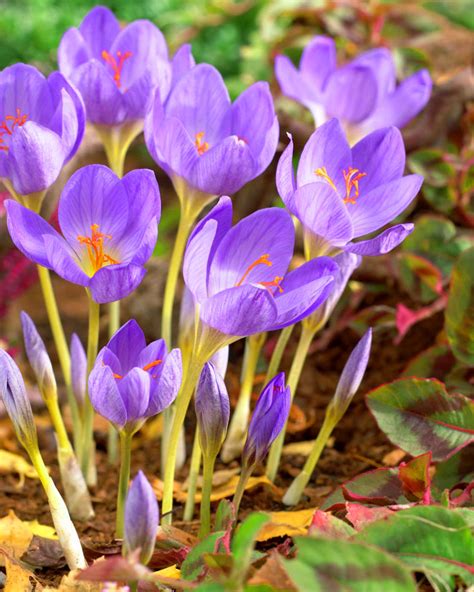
194,469
207,472
125,457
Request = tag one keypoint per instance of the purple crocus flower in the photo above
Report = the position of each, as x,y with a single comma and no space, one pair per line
238,275
78,369
341,194
42,124
109,230
206,143
38,357
131,380
268,419
115,69
363,94
141,519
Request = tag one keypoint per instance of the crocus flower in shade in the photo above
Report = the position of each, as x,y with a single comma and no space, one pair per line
212,409
268,419
141,519
78,369
42,124
38,357
109,230
340,194
363,93
238,275
115,69
205,143
131,380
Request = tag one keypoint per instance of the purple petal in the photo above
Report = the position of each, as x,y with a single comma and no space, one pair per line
268,232
293,84
126,344
105,397
285,177
381,156
64,260
383,243
24,87
384,203
27,231
240,311
37,355
138,96
156,350
351,93
165,387
99,29
134,389
323,213
182,62
318,60
148,244
141,519
172,146
327,149
304,290
78,369
383,66
115,282
200,101
72,51
107,357
220,360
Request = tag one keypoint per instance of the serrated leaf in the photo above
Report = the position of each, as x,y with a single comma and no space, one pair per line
418,416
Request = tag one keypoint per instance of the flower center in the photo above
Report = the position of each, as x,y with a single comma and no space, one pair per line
116,63
146,368
351,179
7,127
263,260
95,248
201,146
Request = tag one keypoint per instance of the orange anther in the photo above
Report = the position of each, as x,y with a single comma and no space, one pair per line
263,260
116,64
322,172
275,282
352,178
95,248
201,146
14,121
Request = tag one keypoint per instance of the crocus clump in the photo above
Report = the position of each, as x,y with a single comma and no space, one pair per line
131,380
205,143
109,230
363,94
115,69
42,125
340,194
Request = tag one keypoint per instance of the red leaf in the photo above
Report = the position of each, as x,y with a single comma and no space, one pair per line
415,478
359,516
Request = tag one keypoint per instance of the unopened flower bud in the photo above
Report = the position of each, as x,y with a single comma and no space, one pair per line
78,369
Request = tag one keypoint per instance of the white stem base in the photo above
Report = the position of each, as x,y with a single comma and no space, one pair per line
75,489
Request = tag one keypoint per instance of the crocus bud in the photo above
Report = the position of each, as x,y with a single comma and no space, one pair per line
268,419
212,410
220,360
17,404
351,377
38,358
78,369
141,519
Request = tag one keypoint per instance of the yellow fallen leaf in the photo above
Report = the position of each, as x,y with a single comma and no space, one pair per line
70,584
169,572
18,578
14,463
286,524
303,448
16,534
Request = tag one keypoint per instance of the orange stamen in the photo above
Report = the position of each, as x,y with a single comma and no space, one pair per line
275,282
13,120
263,260
116,64
322,172
201,146
95,248
352,178
146,367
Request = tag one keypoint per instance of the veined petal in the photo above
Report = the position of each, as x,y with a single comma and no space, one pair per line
156,350
134,389
182,62
105,396
383,243
293,84
24,87
285,177
99,29
72,51
384,203
107,357
138,95
165,387
318,60
63,260
240,311
172,146
304,290
326,150
323,213
381,61
148,244
127,343
267,233
114,282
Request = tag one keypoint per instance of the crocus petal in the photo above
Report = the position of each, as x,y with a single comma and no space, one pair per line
220,360
72,51
108,358
99,29
170,144
323,213
407,100
292,83
200,101
383,66
385,242
351,93
115,282
166,385
63,260
127,343
27,230
134,389
240,311
148,244
327,149
384,203
381,156
285,177
105,397
24,87
182,62
267,232
36,157
78,369
225,168
156,350
304,290
318,60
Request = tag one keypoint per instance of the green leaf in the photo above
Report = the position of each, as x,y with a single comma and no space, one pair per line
193,565
427,538
419,277
418,416
459,468
243,542
433,362
460,309
225,515
336,565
